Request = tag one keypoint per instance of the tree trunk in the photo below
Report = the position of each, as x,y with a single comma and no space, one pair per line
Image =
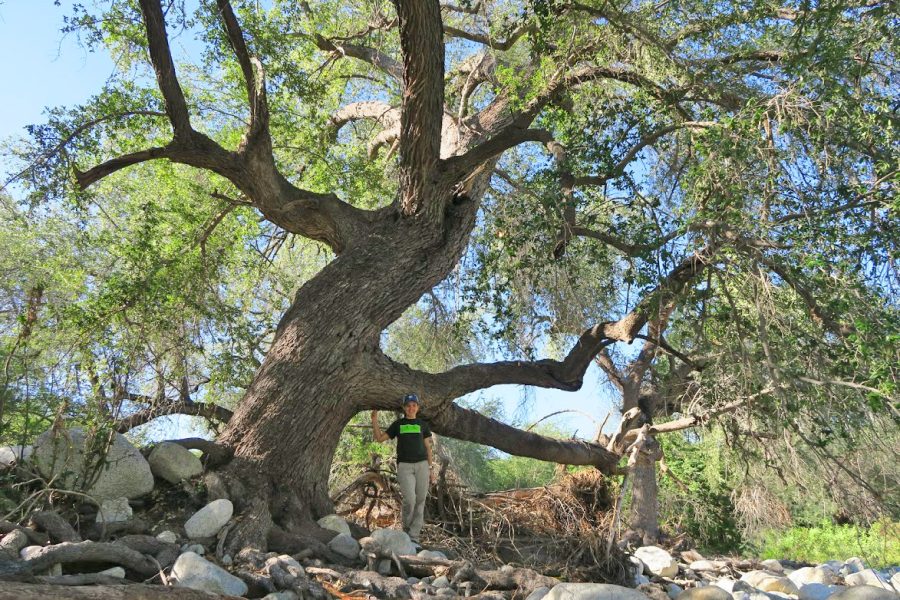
644,498
644,517
322,369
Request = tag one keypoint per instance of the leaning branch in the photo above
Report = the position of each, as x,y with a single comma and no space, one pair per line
567,374
469,425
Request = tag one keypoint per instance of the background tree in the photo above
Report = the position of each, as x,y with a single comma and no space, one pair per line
580,166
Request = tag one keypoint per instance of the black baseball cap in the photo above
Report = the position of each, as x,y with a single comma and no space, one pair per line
410,398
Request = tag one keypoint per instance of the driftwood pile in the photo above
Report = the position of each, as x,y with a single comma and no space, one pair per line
561,529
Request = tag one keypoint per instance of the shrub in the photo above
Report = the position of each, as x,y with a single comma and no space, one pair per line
878,545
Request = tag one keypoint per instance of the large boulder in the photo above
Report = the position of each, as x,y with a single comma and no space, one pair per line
334,523
207,521
818,591
864,592
195,572
868,577
782,585
61,457
592,591
709,592
174,462
393,540
812,575
10,456
657,561
345,545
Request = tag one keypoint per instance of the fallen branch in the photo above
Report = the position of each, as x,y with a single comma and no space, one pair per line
66,553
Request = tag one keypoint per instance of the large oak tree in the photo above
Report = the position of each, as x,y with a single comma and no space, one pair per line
641,146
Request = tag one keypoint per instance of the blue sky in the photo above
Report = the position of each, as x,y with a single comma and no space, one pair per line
49,69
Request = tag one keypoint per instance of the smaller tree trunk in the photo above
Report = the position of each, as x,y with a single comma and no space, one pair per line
645,497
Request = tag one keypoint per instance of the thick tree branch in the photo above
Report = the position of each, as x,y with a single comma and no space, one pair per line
209,411
469,425
442,388
252,71
422,107
365,54
516,131
386,115
164,66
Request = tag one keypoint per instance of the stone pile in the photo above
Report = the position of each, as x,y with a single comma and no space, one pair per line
382,564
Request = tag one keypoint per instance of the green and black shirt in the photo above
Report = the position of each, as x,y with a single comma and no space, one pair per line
410,434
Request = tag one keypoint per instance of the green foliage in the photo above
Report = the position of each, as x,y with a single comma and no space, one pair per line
704,510
878,545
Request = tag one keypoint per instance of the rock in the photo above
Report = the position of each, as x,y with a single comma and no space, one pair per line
125,471
445,592
864,592
207,521
441,582
853,565
412,580
833,566
895,581
393,540
538,593
731,586
637,566
285,595
592,591
772,565
227,560
641,580
868,577
12,543
114,572
657,561
174,462
703,565
345,545
782,585
754,578
811,575
817,591
755,595
168,537
432,555
709,592
673,590
10,456
195,572
334,523
653,591
384,566
195,548
116,510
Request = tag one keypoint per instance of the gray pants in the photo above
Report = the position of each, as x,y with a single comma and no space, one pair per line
413,480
